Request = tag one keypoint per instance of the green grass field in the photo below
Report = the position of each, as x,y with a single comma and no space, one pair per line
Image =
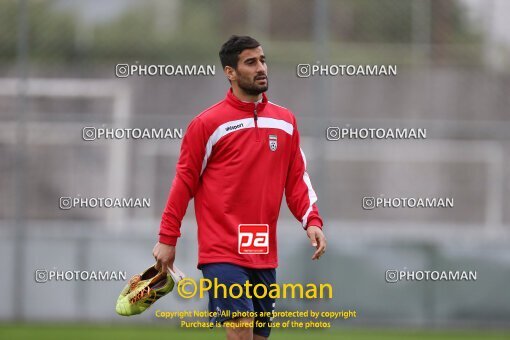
98,332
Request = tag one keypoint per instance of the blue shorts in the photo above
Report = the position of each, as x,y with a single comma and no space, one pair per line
229,274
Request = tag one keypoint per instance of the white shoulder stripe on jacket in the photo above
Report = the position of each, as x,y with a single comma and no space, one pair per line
241,124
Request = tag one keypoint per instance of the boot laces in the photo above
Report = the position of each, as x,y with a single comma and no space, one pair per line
133,282
145,292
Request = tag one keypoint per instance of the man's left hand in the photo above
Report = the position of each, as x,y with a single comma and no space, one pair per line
318,240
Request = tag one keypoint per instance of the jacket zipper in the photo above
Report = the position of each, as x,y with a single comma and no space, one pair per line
255,118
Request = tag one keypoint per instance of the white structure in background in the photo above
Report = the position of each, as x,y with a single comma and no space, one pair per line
117,91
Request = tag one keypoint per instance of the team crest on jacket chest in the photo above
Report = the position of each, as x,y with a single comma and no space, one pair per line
273,142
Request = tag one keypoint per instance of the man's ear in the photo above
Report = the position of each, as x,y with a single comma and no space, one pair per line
230,72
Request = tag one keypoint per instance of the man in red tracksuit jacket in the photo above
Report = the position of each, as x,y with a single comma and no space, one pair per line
237,159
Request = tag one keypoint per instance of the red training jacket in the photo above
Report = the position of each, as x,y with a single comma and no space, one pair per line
236,160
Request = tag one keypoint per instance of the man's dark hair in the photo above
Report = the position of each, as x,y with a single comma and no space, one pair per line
230,50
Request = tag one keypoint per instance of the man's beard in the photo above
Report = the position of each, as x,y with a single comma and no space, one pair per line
252,88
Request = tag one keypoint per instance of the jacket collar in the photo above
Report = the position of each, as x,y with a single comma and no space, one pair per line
245,106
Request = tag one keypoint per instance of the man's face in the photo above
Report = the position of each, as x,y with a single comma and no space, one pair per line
251,72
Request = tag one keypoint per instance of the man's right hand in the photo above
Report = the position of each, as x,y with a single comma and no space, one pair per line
164,255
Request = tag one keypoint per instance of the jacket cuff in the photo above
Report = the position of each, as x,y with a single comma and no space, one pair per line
316,221
169,240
